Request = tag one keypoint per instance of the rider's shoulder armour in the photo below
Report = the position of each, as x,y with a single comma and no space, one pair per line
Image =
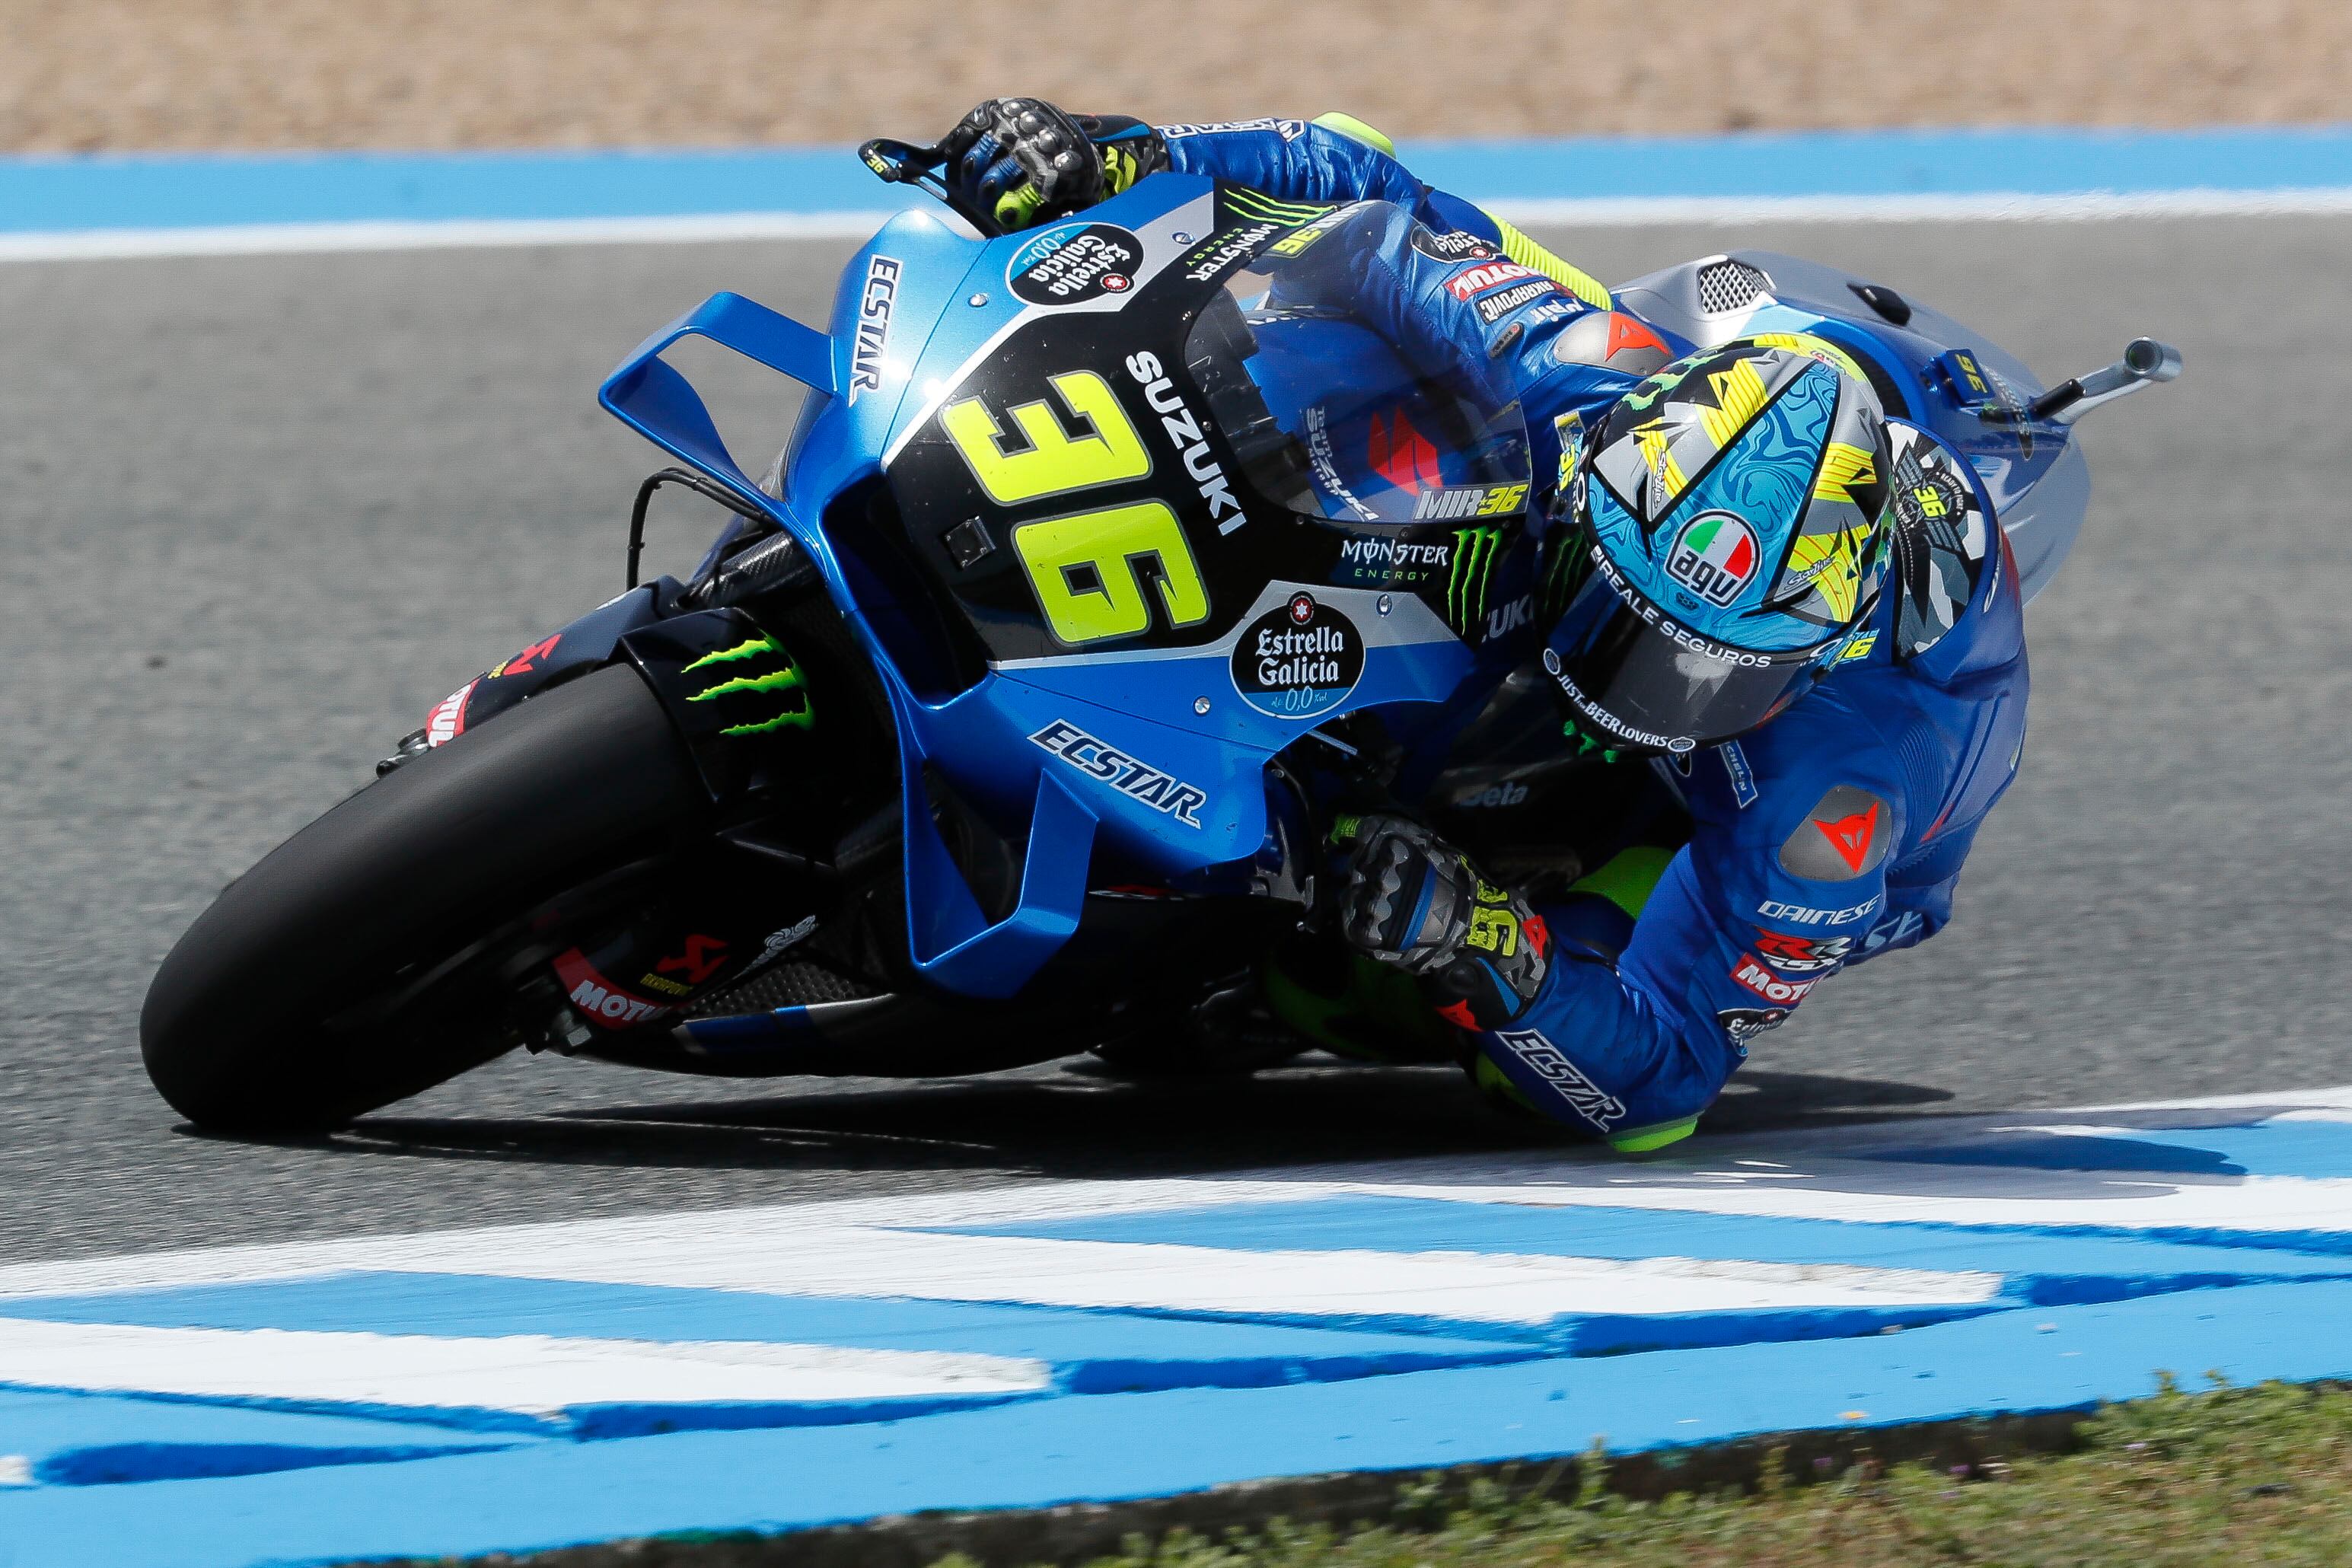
1941,534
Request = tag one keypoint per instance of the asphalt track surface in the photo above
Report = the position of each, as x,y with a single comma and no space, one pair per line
260,513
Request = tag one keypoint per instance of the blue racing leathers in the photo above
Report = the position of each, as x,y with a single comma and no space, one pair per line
1465,298
1835,833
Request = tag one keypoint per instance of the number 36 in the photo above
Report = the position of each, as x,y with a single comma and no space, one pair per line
1088,567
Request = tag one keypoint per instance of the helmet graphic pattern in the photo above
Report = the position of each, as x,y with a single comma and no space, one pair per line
1743,491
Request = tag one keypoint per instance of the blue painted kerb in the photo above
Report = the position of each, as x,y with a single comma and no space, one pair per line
66,193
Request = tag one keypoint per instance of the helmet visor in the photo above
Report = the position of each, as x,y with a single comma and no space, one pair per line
1640,680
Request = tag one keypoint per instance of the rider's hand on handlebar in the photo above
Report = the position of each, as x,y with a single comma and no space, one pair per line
1414,900
1027,163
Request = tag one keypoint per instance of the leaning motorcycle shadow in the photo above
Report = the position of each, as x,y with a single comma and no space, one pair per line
1076,1123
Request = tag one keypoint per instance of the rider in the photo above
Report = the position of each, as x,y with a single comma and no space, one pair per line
1735,529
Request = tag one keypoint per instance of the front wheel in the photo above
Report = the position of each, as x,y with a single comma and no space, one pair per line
362,960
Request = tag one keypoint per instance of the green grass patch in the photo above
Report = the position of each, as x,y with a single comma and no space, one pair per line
2238,1475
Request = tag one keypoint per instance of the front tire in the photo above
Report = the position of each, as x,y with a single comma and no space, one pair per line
345,970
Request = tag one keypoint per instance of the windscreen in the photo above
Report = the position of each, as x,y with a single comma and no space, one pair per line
1335,419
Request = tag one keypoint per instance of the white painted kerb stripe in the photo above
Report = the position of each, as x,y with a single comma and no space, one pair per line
1465,1287
531,1374
789,1249
304,238
1975,206
1599,212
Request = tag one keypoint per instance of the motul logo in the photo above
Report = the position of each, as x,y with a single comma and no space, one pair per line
1492,274
447,720
1772,987
597,999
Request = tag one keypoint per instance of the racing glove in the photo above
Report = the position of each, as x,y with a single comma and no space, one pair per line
1414,901
1028,163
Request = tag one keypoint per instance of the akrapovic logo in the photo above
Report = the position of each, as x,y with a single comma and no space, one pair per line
1493,308
1590,1101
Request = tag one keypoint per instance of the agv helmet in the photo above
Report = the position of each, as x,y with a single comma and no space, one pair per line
1728,537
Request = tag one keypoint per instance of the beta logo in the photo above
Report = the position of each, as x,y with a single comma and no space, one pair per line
1071,265
1298,659
597,999
1494,795
1751,973
1715,556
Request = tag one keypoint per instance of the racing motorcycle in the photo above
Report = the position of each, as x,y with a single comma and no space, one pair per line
1007,714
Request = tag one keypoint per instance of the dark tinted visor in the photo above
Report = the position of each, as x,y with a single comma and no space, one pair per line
1635,675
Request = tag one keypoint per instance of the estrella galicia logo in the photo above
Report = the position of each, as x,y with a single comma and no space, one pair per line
1451,248
1715,556
1298,659
1075,263
1744,1024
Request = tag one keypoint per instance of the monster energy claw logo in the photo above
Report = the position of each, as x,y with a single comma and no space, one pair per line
781,677
1474,566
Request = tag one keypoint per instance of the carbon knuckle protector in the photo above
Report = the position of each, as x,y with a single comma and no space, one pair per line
1417,902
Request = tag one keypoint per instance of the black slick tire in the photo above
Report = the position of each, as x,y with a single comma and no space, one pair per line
293,1003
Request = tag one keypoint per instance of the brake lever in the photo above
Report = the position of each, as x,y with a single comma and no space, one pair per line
904,163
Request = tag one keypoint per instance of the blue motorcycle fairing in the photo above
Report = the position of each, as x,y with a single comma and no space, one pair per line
579,645
2033,471
1111,748
1167,216
894,294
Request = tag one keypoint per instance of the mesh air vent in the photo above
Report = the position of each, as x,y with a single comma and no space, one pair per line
1728,286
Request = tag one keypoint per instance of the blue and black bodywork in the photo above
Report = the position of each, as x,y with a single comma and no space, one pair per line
1056,527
